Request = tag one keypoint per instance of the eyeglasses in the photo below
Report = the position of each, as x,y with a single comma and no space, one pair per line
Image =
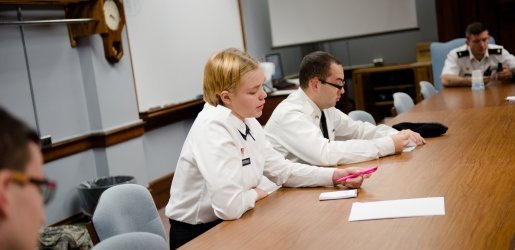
338,86
46,187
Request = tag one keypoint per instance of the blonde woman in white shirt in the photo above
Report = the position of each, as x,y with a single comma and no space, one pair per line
225,153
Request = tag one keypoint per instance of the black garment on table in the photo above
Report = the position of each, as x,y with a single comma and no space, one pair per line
181,233
425,129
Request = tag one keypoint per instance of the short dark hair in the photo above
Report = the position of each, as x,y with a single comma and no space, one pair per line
14,142
315,64
474,29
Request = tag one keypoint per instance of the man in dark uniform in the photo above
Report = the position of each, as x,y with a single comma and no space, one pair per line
477,54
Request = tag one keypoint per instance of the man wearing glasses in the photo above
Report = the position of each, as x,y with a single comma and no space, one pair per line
23,188
307,128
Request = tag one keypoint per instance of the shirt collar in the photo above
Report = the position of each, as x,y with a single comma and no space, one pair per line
233,119
309,106
471,56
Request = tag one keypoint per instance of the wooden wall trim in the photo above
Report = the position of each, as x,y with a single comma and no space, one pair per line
40,2
168,115
94,140
115,136
74,219
150,120
160,190
240,8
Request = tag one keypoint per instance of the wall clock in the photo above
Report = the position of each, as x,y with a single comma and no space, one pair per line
110,19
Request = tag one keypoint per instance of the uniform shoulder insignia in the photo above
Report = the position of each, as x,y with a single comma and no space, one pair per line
463,53
496,51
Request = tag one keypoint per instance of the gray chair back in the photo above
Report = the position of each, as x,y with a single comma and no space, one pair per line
427,89
360,115
126,208
402,102
133,241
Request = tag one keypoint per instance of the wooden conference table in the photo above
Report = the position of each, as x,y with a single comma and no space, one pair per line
471,166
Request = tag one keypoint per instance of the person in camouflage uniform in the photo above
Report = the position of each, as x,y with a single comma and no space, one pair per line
23,188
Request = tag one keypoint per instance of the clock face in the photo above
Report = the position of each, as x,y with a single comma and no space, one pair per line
111,14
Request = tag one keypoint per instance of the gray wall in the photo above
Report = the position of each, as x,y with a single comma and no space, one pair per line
76,92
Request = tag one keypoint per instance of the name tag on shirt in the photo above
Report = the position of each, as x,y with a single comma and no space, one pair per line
245,162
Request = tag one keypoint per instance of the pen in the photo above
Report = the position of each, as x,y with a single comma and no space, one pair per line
366,171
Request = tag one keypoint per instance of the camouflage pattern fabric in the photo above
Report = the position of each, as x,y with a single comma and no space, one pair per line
65,237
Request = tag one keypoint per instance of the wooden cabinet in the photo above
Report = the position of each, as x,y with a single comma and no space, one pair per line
374,87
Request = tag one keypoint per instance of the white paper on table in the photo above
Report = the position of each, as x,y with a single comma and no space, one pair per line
338,195
410,146
510,98
397,208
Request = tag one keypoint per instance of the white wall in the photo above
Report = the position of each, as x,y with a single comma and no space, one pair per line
77,92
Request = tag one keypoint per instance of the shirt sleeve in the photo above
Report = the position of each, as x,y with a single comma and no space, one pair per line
307,142
508,59
347,129
451,64
290,174
218,160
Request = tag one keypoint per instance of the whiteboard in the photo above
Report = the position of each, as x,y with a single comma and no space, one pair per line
170,42
296,22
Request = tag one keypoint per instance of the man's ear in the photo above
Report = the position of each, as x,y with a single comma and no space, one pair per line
225,97
314,83
5,179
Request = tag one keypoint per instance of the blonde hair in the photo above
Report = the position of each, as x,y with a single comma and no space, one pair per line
223,71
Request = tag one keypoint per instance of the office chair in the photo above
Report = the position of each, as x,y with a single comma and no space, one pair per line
125,208
439,53
427,89
402,102
360,115
133,241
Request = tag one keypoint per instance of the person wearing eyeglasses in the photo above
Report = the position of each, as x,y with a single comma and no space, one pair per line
477,54
307,128
225,154
23,188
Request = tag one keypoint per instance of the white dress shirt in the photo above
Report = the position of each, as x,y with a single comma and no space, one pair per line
463,65
218,169
294,130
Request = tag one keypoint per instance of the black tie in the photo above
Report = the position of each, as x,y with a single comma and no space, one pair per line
247,133
323,124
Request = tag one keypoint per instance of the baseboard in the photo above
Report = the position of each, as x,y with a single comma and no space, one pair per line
160,190
74,219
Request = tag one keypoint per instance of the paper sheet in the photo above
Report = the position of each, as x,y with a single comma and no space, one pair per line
410,146
338,195
397,208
